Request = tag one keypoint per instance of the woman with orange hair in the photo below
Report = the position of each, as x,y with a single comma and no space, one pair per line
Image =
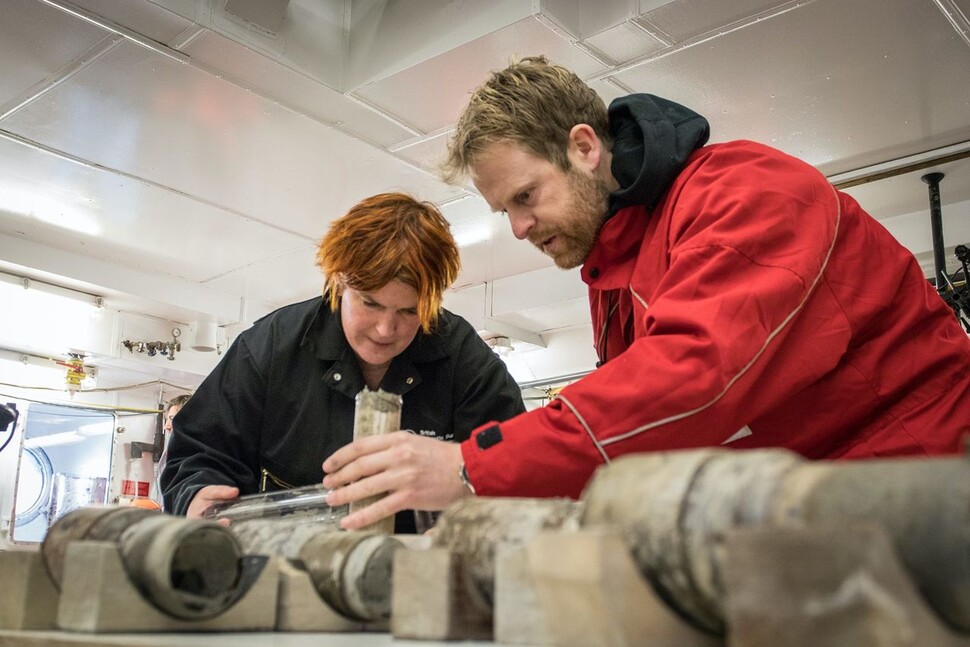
282,398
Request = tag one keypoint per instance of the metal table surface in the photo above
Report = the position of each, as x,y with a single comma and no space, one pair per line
248,639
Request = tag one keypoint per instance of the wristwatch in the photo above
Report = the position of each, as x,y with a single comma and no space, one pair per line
463,475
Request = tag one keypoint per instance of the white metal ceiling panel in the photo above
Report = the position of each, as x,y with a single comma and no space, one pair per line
518,300
488,249
294,89
568,352
426,152
483,262
51,200
179,127
197,11
145,18
225,168
389,36
683,19
35,42
624,42
147,292
806,83
430,95
309,39
583,19
608,89
561,302
560,315
517,293
606,25
288,278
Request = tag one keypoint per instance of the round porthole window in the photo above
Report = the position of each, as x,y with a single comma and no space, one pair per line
33,485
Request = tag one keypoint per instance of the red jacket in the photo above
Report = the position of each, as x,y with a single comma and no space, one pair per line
755,306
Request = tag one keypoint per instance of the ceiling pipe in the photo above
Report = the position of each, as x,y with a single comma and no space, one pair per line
901,166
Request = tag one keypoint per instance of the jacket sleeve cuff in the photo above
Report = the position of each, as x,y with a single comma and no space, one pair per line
527,458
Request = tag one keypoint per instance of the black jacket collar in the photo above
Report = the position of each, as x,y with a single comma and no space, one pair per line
652,139
324,337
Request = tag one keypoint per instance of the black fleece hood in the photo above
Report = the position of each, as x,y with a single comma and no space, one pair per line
652,138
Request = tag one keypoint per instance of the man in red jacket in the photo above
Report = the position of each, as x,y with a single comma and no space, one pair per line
737,298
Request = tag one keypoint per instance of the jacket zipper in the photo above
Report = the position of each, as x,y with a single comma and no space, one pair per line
278,481
604,334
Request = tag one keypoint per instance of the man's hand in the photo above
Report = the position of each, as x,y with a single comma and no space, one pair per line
416,473
207,496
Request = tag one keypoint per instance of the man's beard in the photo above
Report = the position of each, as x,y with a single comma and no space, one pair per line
587,210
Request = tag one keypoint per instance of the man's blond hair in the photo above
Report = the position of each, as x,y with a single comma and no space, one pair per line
531,102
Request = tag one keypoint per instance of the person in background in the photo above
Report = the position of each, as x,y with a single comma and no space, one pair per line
738,300
169,411
282,398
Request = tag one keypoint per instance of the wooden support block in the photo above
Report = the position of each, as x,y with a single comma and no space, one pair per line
29,599
592,593
98,596
519,619
300,607
430,598
825,585
415,542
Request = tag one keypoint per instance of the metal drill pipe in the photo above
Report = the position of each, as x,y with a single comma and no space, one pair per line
188,569
674,509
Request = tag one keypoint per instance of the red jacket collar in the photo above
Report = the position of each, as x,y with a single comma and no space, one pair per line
610,262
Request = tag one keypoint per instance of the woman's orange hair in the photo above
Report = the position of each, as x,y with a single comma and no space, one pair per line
386,237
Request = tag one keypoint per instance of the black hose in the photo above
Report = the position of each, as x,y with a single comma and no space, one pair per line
8,419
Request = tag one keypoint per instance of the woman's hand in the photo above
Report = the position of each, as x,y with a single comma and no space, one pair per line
207,496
